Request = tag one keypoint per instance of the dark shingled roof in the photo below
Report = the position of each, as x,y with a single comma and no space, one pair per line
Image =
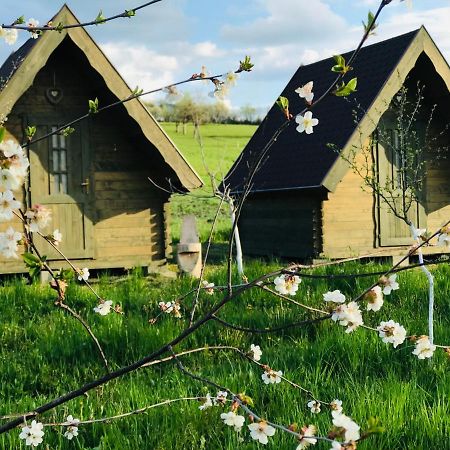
298,160
14,60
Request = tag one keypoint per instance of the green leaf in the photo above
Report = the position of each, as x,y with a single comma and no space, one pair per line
93,106
340,60
30,131
67,131
246,399
370,23
345,90
283,103
34,271
31,260
2,133
246,65
19,21
340,66
60,27
137,91
100,18
130,12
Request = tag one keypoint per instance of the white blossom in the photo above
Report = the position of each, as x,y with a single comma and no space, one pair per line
334,296
7,204
306,123
348,315
233,420
256,352
314,406
57,237
335,445
418,233
33,23
306,91
10,148
374,299
307,437
272,377
208,287
287,284
10,35
15,164
172,94
351,428
72,429
83,274
9,241
220,91
104,307
171,308
8,179
389,284
221,397
260,431
424,348
230,78
38,217
336,405
392,333
443,240
207,403
32,434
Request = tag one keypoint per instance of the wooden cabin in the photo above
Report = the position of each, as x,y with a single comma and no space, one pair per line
306,201
96,180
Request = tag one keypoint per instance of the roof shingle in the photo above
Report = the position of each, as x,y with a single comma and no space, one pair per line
298,160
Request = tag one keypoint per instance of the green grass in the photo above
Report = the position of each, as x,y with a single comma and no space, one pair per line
221,145
44,353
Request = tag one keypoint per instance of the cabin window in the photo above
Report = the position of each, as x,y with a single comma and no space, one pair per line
58,156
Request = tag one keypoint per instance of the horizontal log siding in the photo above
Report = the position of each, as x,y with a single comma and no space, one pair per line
348,219
438,195
280,225
129,218
126,210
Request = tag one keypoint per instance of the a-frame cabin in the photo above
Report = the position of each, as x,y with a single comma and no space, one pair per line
305,201
95,181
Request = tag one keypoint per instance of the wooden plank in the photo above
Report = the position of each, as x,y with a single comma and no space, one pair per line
103,252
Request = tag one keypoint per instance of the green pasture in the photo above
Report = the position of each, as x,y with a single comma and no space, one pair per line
45,353
213,153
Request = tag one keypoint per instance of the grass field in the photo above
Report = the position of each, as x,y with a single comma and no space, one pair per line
215,153
45,353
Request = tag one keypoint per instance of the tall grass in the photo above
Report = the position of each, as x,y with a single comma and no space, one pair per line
215,152
44,353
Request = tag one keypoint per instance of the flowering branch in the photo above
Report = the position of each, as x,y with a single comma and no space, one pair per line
127,414
100,19
258,161
137,93
264,430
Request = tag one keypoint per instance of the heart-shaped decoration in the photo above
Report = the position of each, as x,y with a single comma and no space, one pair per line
54,95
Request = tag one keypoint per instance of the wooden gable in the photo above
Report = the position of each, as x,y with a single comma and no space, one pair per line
37,57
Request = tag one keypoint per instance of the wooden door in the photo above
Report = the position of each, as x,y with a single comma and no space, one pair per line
59,180
393,231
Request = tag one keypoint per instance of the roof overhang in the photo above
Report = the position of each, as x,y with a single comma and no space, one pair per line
38,56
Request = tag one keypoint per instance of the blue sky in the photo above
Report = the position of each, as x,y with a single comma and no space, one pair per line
174,38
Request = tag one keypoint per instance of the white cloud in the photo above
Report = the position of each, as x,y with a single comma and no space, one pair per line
150,69
140,66
435,20
287,21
